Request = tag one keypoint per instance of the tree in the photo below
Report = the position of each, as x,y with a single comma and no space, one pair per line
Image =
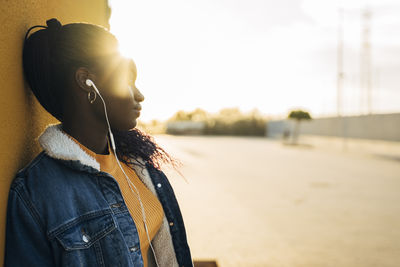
180,116
199,115
298,116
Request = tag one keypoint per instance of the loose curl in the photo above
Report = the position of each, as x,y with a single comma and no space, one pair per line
51,56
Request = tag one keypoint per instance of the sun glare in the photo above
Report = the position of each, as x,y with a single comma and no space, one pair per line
124,49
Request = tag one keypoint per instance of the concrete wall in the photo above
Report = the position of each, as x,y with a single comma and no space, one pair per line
22,118
376,126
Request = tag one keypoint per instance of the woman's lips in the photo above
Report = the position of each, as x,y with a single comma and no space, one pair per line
137,112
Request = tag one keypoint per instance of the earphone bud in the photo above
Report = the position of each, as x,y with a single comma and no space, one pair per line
90,83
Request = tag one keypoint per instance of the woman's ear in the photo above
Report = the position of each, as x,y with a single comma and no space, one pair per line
81,75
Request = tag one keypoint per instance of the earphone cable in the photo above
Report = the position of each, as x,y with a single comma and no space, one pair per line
129,182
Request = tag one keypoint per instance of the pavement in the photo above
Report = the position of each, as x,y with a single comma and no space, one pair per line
253,201
362,147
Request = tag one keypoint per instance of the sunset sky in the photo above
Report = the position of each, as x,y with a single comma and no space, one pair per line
269,55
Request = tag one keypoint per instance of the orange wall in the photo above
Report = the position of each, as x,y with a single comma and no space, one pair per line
22,118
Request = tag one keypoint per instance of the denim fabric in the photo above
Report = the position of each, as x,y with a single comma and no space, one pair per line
64,213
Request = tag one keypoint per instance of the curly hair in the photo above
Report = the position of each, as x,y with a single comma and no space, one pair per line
51,56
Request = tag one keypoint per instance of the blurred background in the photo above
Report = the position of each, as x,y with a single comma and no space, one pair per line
286,117
284,114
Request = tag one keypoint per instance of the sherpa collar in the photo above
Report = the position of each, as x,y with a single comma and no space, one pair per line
57,144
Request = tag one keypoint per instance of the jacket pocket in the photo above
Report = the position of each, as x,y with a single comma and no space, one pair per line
84,231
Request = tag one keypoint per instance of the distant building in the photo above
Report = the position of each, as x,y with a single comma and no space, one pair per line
185,127
374,126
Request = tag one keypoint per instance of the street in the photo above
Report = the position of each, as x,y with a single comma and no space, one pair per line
251,201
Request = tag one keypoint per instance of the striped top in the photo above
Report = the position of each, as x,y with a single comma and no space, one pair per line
152,206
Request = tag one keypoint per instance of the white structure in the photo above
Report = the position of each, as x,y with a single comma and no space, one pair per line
376,126
185,127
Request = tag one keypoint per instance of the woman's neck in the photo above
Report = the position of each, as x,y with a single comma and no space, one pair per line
92,137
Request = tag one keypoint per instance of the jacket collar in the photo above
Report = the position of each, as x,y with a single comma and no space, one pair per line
57,144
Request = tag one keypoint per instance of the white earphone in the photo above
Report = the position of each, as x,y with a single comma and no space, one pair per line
90,83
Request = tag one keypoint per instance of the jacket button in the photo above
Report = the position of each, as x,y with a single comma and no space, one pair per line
116,205
85,238
171,223
158,185
133,249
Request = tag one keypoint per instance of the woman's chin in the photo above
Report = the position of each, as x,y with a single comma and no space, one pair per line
126,125
133,123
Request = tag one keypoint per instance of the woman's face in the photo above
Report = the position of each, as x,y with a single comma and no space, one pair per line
116,84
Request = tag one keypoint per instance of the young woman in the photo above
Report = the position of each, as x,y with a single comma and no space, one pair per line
95,195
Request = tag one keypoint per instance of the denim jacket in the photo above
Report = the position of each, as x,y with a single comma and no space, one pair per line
64,211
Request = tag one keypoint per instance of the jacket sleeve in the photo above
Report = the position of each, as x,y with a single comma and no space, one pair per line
26,243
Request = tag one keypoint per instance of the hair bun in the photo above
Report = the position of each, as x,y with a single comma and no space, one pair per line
53,24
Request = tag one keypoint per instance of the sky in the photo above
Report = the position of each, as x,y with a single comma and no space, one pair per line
274,56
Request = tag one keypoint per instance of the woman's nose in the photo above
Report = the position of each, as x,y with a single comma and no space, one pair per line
137,94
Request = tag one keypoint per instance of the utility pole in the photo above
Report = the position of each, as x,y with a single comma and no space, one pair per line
365,62
340,78
340,75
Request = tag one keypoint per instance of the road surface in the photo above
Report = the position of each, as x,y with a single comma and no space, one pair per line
256,202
